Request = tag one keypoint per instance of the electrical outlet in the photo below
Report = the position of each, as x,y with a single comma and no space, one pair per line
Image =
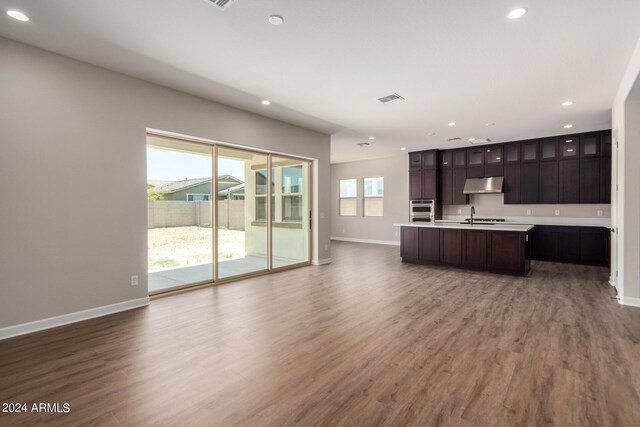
396,234
134,280
528,211
599,212
557,212
459,211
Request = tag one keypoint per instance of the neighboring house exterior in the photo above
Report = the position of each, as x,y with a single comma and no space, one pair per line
198,189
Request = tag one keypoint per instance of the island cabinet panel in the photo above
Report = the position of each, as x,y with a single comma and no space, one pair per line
530,177
451,247
430,245
573,244
548,182
446,189
511,184
410,242
506,252
590,180
459,178
569,180
474,248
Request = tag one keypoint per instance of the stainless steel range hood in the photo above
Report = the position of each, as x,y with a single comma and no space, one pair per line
491,185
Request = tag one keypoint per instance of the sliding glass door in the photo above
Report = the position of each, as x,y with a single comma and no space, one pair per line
179,220
290,211
216,212
242,212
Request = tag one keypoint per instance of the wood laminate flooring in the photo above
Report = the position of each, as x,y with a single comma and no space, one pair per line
363,341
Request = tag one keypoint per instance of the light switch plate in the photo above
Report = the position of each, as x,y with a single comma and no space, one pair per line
134,280
599,212
528,211
557,212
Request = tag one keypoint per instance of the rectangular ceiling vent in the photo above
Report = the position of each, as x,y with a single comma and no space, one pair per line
363,144
454,139
391,98
480,141
222,4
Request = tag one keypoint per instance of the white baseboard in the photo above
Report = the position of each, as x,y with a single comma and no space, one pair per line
321,261
65,319
630,301
375,242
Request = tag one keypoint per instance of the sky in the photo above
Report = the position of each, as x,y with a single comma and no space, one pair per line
173,166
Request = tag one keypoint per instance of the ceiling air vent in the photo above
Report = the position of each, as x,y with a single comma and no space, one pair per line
480,141
363,144
453,139
390,98
222,4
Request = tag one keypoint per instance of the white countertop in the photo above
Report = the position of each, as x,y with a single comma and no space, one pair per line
566,221
523,228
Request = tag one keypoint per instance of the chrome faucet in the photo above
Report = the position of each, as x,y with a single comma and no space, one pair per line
473,211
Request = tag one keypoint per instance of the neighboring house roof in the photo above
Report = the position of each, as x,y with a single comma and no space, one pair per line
224,182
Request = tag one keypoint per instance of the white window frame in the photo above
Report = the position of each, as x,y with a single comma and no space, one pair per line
340,198
376,196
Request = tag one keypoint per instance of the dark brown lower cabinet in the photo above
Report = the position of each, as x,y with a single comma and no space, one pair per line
474,248
459,177
511,185
569,179
446,192
430,244
495,251
409,242
506,252
590,180
450,246
580,245
548,183
530,175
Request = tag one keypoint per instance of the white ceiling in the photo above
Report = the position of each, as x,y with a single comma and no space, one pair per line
325,67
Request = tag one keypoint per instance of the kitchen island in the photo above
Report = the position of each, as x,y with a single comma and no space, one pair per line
497,248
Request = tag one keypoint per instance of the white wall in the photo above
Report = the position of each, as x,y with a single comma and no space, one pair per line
76,133
396,199
626,200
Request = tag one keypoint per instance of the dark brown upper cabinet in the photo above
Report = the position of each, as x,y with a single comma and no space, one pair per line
569,181
493,161
493,155
605,179
446,186
429,159
605,144
548,183
590,145
460,158
415,161
529,152
459,178
475,157
446,161
511,185
529,183
569,147
511,154
549,149
589,180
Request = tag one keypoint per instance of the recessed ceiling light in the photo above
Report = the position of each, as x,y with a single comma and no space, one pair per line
17,15
276,20
452,123
266,102
403,148
517,13
490,124
372,138
568,126
471,139
567,103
